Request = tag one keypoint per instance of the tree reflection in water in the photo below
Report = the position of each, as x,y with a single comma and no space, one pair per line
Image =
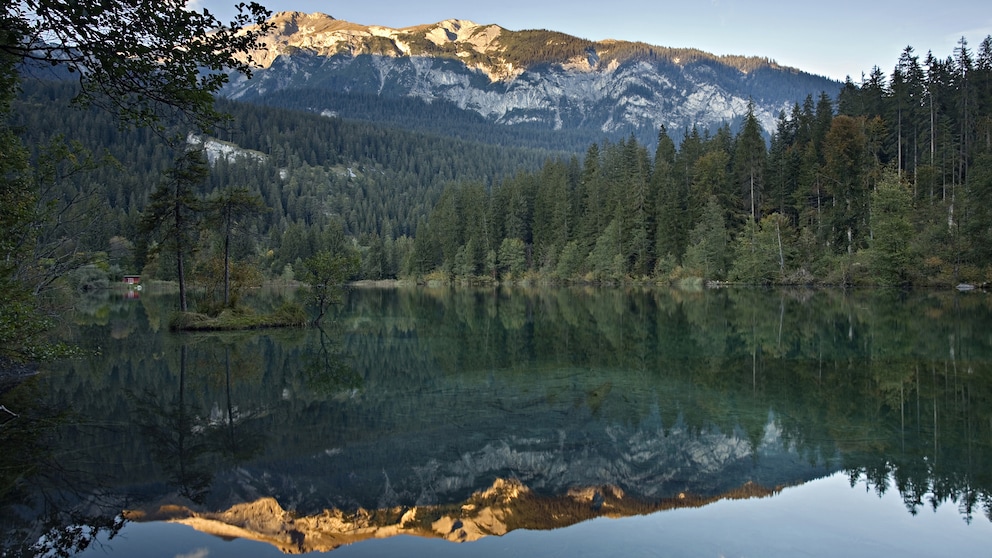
178,437
50,505
424,399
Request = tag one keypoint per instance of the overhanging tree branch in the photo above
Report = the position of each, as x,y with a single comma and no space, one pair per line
142,60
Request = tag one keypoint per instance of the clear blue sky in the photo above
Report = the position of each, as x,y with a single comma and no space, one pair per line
835,38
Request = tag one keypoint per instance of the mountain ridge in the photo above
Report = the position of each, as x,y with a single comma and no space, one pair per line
540,79
294,29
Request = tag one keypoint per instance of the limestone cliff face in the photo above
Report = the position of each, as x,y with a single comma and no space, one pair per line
516,77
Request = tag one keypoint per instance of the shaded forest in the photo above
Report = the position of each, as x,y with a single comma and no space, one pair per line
888,184
322,180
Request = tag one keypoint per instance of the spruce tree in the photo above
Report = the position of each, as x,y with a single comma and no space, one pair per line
749,164
175,211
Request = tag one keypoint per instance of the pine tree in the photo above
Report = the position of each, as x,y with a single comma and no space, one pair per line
634,209
749,164
707,252
782,179
592,194
846,212
231,209
175,212
512,257
671,233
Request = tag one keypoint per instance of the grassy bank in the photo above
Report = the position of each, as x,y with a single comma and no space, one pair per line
287,315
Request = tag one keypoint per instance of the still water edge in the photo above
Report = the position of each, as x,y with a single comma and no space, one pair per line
760,407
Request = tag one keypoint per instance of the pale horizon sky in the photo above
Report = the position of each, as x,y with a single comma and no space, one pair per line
834,39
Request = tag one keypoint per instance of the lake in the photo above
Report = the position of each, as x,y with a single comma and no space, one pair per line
543,422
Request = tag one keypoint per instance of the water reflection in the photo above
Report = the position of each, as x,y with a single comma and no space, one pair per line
461,414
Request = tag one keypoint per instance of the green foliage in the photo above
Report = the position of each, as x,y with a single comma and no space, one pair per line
174,213
749,164
117,50
978,225
467,260
605,262
24,319
528,47
17,204
707,252
512,257
571,261
314,172
289,314
232,209
89,278
762,251
800,209
672,200
326,272
222,284
846,189
892,232
24,326
149,64
614,215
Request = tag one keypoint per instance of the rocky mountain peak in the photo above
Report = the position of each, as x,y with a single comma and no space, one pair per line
534,77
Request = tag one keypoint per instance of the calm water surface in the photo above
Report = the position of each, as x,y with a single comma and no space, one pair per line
516,422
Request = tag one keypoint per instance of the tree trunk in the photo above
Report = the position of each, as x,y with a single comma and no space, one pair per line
227,267
180,270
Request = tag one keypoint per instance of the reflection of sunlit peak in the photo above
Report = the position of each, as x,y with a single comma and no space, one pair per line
589,494
504,506
503,491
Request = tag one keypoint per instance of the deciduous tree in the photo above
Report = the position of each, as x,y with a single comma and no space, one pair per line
142,60
326,272
892,231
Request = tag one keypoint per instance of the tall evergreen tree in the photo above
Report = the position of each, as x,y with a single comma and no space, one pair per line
845,182
592,193
749,164
671,219
633,207
230,209
175,212
782,179
707,251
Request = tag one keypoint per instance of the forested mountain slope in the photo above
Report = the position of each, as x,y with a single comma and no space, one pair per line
312,172
888,182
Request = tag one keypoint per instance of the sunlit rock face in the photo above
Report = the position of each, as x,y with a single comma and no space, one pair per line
649,462
537,478
569,83
505,506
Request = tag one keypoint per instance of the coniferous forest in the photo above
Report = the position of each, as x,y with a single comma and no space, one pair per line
889,183
126,167
322,182
886,183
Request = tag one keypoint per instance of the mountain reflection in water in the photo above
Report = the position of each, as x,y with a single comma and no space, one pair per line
462,414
